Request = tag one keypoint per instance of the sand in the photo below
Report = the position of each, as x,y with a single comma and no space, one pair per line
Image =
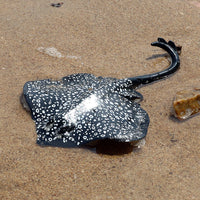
110,39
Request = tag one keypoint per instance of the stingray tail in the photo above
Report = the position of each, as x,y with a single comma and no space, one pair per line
173,51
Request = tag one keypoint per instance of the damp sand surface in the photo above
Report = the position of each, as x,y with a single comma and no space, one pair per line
107,38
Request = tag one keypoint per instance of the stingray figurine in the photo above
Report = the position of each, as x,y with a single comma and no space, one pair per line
82,109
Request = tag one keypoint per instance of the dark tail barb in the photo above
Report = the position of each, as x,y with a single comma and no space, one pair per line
173,51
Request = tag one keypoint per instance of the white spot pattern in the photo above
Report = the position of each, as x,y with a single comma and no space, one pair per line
81,108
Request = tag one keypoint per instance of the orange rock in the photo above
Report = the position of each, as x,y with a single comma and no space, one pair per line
186,103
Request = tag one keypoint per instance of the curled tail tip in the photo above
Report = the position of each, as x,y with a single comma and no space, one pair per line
170,43
159,40
177,48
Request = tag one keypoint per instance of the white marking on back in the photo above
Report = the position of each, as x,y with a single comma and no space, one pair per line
85,106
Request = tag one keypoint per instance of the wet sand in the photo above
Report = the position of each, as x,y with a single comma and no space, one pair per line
108,38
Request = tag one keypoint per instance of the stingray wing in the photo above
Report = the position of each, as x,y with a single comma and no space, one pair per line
82,108
111,117
90,82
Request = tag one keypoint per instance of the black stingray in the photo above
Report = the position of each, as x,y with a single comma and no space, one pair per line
82,108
